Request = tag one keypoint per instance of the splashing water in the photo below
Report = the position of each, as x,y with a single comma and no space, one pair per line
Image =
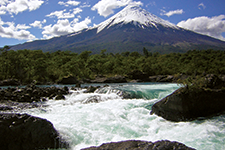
113,118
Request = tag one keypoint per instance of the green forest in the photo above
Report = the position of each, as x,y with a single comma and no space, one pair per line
29,65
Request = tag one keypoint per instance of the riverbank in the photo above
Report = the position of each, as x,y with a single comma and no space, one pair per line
135,76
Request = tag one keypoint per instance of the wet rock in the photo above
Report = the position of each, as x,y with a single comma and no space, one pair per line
91,89
187,104
99,80
9,82
32,93
25,132
92,99
60,97
12,106
4,108
68,80
167,78
141,145
116,79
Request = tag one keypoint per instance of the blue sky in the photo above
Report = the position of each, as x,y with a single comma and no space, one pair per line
27,20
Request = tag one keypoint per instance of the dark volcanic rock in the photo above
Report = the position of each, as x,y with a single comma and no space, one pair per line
25,132
116,79
12,106
31,93
141,145
60,97
213,81
91,89
9,82
190,102
167,78
5,107
138,75
68,80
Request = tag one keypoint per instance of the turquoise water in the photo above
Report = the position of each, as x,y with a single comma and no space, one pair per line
117,119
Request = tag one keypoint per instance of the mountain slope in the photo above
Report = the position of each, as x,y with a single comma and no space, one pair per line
129,30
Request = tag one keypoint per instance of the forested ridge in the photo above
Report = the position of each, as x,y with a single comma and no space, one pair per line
28,65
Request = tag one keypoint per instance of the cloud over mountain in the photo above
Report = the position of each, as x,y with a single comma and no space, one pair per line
106,7
213,26
63,27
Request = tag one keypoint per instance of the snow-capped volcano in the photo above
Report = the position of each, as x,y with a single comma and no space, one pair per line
129,30
137,15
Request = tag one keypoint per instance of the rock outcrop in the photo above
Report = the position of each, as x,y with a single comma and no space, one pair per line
9,82
31,93
138,76
167,78
103,79
25,132
194,101
68,80
141,145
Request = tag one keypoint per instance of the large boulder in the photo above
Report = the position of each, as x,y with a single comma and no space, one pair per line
68,80
141,145
191,102
25,132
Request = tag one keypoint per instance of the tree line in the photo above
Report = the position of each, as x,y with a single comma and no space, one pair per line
28,65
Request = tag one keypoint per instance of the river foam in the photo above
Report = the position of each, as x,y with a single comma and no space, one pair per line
117,119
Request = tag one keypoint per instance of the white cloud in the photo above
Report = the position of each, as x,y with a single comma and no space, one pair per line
106,7
77,10
22,26
63,27
172,12
9,30
68,3
63,14
38,23
3,2
201,6
2,12
18,6
213,26
85,4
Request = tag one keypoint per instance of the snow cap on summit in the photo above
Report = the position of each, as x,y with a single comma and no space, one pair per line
135,14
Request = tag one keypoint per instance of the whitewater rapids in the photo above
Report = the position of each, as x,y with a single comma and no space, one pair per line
115,119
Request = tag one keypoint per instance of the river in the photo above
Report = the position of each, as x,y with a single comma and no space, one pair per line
113,118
